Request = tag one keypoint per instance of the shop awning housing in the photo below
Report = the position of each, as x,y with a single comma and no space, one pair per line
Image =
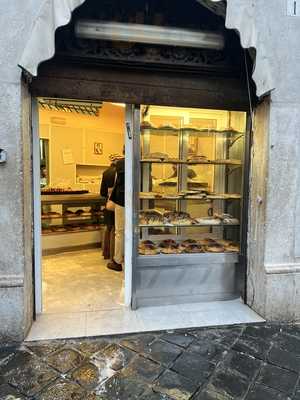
240,16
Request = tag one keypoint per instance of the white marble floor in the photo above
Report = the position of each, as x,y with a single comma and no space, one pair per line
89,303
79,282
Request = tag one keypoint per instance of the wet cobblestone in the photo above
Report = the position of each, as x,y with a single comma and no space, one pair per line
254,362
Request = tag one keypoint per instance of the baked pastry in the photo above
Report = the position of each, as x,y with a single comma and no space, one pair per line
151,217
156,156
172,248
146,125
188,242
167,126
148,249
227,219
147,242
208,221
167,242
207,242
193,248
195,158
232,247
150,195
79,212
215,248
177,218
169,182
68,213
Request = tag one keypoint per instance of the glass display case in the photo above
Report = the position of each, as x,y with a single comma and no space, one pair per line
71,220
190,203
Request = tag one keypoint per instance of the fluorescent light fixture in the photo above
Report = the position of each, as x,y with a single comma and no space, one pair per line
151,34
84,107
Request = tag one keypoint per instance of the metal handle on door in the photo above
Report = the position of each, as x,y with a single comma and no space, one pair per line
128,128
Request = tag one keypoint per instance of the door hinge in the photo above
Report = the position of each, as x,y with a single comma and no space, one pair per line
128,129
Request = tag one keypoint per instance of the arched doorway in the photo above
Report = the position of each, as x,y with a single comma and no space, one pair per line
155,75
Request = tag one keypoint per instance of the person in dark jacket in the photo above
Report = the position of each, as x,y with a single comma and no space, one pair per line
107,184
118,197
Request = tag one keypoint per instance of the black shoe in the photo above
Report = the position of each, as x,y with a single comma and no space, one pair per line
114,266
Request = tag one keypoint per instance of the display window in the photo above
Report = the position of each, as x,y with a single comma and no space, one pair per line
191,181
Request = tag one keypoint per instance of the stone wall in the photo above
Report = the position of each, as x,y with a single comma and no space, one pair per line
16,309
274,257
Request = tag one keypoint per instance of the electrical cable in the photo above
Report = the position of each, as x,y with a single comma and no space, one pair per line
248,88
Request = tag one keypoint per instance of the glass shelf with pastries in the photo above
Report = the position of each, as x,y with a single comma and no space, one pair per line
66,214
191,190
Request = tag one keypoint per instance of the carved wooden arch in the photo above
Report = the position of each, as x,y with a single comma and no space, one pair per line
240,16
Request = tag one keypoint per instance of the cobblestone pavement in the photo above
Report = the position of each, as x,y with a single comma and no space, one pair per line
254,362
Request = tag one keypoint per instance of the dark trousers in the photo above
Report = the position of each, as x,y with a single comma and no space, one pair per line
109,242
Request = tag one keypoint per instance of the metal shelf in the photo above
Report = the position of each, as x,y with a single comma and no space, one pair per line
77,217
204,199
163,130
186,226
70,232
89,198
221,162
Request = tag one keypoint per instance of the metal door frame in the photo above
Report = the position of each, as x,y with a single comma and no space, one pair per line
37,226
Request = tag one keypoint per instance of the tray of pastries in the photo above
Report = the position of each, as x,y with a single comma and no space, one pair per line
147,125
208,221
156,156
151,217
187,246
177,218
150,195
227,219
169,246
148,248
198,158
53,190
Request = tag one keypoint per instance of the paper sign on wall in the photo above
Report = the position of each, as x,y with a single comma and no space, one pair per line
67,156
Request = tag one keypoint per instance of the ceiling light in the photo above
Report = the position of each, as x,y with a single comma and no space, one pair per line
70,106
151,34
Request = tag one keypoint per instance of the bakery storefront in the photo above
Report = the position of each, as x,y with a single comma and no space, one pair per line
180,104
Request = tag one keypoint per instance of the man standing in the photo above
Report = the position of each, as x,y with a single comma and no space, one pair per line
107,184
118,197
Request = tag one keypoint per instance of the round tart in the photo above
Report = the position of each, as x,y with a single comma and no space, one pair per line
232,248
172,249
215,249
167,243
207,242
193,248
148,249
